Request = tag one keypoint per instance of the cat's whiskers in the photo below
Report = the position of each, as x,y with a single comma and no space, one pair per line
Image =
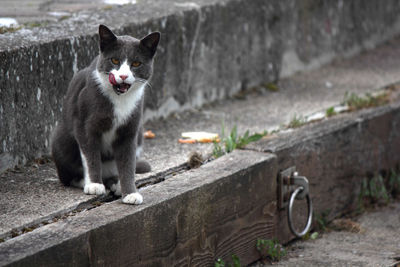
145,82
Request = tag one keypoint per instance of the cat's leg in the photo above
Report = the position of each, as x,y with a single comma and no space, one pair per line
109,169
142,166
89,147
139,147
125,157
65,153
110,176
91,162
78,183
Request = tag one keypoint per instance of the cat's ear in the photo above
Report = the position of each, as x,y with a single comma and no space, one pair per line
107,37
151,42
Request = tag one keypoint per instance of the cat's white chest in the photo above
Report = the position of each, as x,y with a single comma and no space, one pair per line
123,107
125,104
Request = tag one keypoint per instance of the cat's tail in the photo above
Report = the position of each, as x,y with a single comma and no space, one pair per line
142,166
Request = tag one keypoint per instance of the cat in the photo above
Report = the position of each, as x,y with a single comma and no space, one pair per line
100,134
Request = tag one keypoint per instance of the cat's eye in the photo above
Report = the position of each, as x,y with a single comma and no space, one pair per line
115,61
136,64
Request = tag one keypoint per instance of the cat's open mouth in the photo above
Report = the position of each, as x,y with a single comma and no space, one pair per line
121,88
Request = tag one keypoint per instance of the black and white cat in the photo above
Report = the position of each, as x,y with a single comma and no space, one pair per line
100,135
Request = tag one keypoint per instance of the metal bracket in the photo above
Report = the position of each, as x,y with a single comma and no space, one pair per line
288,181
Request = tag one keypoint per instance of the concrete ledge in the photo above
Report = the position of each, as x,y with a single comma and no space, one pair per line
209,50
187,220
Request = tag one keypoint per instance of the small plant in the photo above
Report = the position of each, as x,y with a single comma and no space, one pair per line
297,121
271,248
309,235
330,112
218,151
234,141
247,138
271,87
394,183
219,263
355,102
373,191
322,220
378,190
235,262
10,29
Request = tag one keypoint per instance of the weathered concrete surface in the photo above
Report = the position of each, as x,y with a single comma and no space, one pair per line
34,195
41,12
190,219
259,111
209,50
377,245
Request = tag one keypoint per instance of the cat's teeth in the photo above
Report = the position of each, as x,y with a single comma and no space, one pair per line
123,87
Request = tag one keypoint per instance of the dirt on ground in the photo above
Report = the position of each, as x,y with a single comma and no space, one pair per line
371,239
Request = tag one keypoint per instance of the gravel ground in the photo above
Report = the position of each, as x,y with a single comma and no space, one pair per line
372,239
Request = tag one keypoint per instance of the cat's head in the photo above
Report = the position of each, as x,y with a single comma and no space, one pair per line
125,62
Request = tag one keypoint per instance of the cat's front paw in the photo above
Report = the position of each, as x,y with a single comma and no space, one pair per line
94,189
133,198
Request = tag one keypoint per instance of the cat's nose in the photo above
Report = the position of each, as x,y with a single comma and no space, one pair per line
123,77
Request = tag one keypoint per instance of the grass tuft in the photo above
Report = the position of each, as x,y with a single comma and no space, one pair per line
297,121
270,248
234,141
355,102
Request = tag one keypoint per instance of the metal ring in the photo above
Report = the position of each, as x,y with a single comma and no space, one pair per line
289,214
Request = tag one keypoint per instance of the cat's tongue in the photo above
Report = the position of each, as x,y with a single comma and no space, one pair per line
111,78
120,88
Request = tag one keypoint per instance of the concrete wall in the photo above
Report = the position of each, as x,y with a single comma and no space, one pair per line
209,50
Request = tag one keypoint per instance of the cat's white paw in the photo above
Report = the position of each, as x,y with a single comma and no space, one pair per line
116,189
133,198
94,189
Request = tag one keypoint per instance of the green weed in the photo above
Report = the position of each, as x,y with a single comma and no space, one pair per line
271,87
271,248
11,29
234,141
218,151
355,102
373,191
330,112
394,183
297,121
235,262
219,263
322,220
309,235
